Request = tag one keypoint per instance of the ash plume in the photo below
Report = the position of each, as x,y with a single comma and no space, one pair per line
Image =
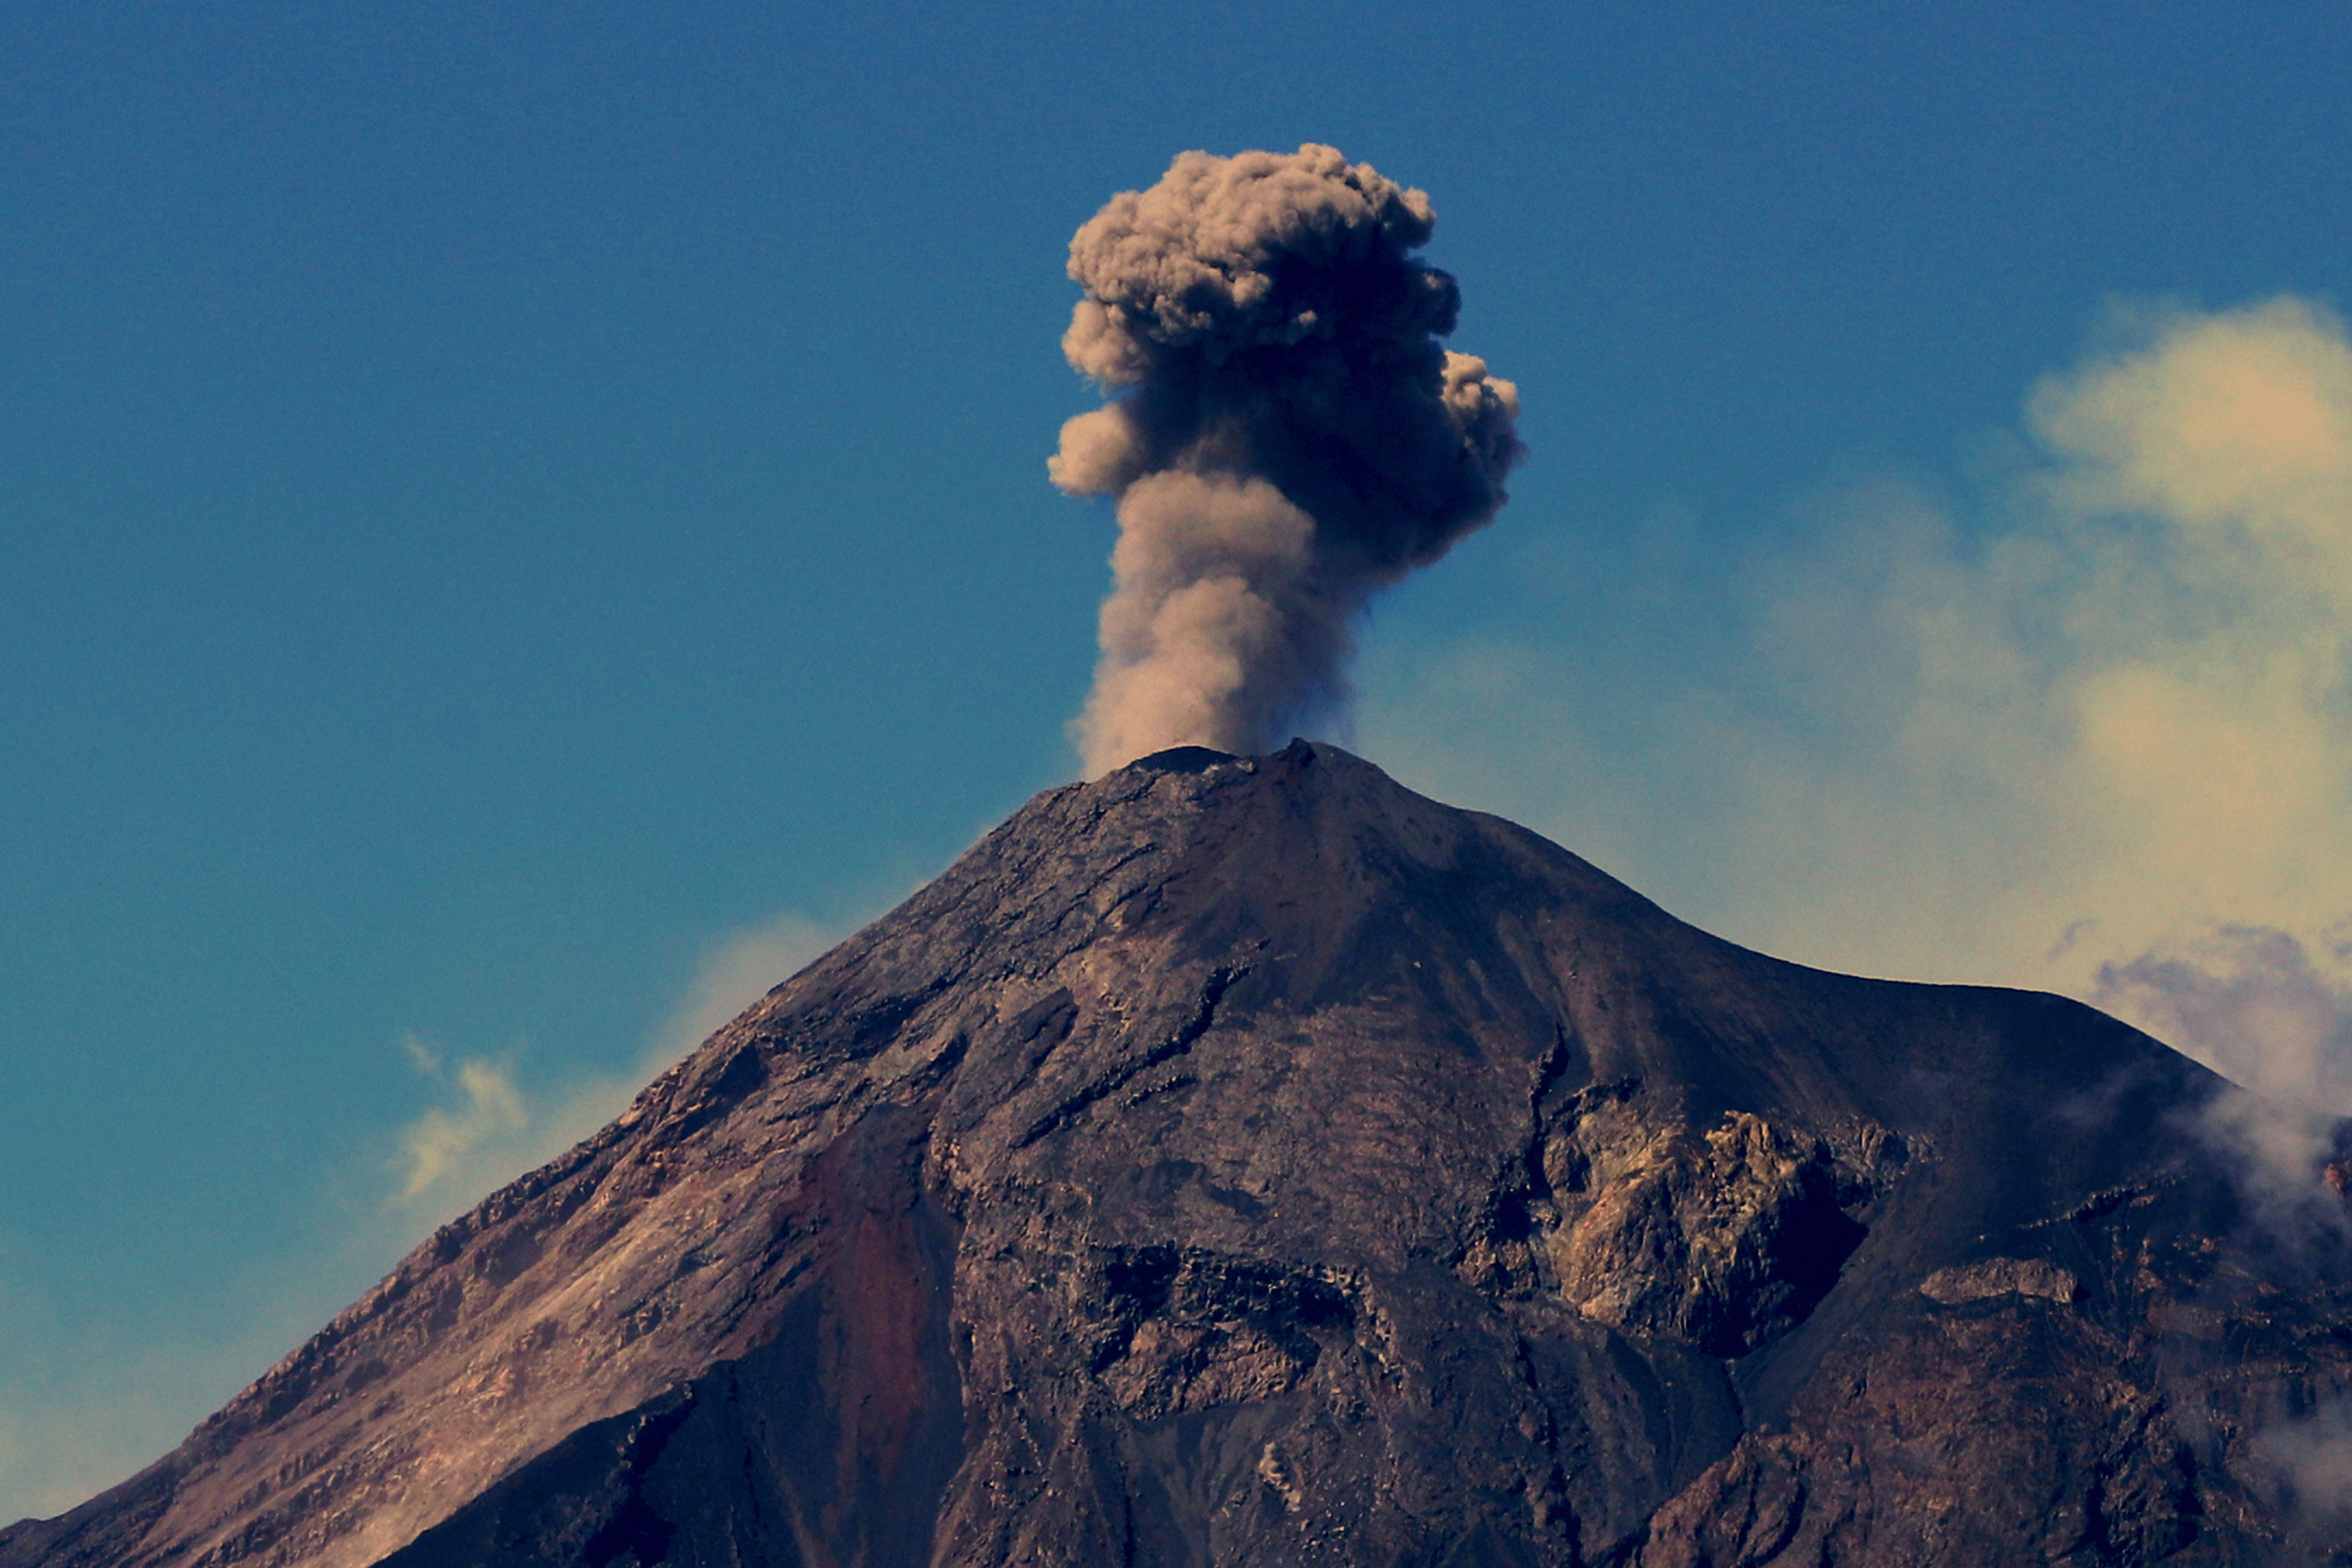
1285,437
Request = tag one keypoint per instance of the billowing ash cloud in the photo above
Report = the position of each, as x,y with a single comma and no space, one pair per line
1285,437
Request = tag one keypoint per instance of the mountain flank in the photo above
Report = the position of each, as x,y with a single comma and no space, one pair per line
1248,1161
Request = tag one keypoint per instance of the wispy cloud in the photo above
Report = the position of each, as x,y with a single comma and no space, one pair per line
2252,1002
487,1111
2254,1006
735,973
2087,716
490,1129
2313,1457
80,1411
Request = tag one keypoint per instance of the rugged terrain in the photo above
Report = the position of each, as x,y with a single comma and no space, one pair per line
1246,1160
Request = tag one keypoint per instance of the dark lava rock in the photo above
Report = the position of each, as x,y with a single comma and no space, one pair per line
1245,1160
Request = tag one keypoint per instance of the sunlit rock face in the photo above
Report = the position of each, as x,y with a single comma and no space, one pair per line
1246,1160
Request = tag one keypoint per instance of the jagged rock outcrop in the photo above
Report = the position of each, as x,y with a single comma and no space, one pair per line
1246,1160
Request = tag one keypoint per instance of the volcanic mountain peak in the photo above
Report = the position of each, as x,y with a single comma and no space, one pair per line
1244,1159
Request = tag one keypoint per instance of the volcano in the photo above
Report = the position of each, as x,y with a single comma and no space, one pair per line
1248,1161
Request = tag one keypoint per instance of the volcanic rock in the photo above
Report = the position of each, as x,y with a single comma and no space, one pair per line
1246,1160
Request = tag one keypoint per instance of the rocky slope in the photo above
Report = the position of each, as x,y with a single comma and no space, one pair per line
1246,1160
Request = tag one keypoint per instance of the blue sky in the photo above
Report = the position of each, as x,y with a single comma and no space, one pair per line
517,522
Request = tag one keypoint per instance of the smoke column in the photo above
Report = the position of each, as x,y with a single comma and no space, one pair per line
1285,437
